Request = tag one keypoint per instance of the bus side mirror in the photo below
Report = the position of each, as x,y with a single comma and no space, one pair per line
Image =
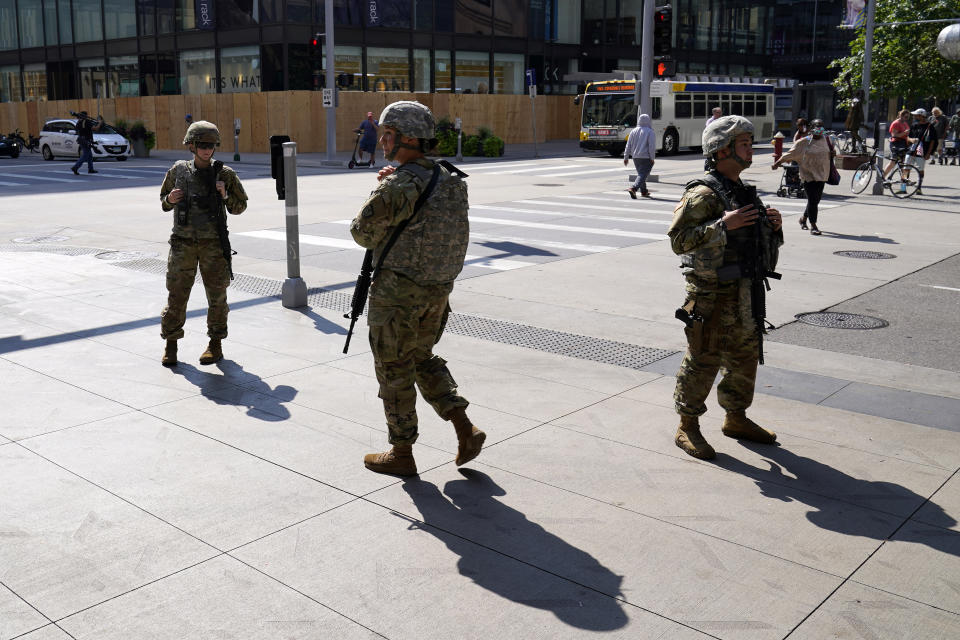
576,99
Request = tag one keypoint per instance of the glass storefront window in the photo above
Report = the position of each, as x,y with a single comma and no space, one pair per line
423,14
508,73
473,72
120,17
271,11
631,22
65,23
510,18
50,22
147,17
237,13
299,11
442,71
124,78
166,16
198,72
565,21
86,21
186,15
421,70
8,25
93,78
345,12
387,13
10,84
387,69
240,69
35,82
31,23
347,68
474,16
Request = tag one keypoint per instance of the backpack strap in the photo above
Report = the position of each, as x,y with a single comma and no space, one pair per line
714,184
416,208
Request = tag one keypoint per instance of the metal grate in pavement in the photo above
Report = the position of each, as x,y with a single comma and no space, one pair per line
835,320
572,345
865,255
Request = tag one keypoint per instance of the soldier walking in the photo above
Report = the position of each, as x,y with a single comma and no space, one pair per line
718,228
197,191
410,289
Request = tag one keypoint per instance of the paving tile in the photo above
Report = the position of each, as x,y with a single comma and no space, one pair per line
221,495
222,598
44,404
856,612
304,440
943,509
920,563
16,616
405,579
49,632
68,544
907,406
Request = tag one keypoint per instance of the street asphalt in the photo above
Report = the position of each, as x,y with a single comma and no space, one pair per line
230,501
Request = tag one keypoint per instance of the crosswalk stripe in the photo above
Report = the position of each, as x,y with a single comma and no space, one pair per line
13,184
567,214
564,227
594,207
779,203
496,165
550,244
103,174
488,262
583,173
540,168
32,177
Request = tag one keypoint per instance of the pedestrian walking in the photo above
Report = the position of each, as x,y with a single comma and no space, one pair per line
85,128
716,230
415,222
923,136
939,123
803,129
198,191
642,147
812,154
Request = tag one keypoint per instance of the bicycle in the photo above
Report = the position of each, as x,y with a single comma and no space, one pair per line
848,145
899,181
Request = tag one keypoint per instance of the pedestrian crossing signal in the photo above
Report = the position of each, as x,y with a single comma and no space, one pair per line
664,68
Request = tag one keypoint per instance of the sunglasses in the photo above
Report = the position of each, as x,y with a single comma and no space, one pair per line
206,145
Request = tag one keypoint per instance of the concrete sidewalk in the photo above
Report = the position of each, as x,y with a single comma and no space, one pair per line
231,501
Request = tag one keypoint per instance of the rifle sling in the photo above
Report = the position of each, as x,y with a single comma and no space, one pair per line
403,225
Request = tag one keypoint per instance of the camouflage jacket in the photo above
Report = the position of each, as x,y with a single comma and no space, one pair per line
431,249
195,183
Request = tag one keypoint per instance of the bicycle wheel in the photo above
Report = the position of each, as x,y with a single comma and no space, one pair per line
862,177
904,181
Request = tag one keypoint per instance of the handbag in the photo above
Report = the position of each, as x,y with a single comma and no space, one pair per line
834,177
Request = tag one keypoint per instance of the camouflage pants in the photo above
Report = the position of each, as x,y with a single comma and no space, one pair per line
728,343
182,263
406,320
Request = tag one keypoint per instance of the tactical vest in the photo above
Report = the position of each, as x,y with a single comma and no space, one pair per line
737,257
433,246
196,204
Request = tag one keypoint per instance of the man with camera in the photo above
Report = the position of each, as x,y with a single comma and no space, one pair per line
198,191
85,128
728,243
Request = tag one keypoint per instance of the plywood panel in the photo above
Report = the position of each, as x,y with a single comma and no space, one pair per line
258,121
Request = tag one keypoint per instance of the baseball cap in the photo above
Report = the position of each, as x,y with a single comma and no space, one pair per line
920,112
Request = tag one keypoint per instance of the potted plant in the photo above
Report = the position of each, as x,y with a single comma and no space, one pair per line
142,139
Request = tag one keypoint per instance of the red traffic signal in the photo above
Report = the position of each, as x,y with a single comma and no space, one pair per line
664,68
663,30
315,45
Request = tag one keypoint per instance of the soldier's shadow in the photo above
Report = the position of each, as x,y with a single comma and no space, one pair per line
470,523
888,508
262,401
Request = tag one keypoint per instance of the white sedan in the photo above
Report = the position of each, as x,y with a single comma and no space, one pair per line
59,138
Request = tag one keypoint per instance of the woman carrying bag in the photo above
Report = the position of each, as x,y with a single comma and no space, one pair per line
814,153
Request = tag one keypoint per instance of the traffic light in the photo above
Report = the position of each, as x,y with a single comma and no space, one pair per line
663,30
664,68
315,46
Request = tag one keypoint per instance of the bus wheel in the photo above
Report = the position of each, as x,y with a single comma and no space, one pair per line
671,143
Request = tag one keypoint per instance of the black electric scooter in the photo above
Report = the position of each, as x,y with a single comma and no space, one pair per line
353,160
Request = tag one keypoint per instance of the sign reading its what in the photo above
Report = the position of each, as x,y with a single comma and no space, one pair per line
206,14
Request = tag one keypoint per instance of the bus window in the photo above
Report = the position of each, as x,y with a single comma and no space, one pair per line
657,105
700,106
608,110
748,107
683,107
736,104
761,106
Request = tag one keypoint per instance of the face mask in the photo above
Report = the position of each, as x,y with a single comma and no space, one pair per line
817,131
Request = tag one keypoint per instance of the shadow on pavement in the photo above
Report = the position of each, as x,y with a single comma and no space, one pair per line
473,499
262,401
844,236
793,477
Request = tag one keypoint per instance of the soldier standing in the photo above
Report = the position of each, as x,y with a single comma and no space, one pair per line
196,189
410,290
712,229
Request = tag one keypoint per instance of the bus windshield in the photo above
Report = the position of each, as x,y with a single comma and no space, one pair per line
609,110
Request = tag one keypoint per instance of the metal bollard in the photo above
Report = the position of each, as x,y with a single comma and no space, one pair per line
294,291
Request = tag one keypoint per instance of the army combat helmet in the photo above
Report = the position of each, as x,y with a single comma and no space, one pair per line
723,132
413,120
202,131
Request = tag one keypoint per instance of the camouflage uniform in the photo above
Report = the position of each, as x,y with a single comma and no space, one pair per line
196,243
408,299
727,339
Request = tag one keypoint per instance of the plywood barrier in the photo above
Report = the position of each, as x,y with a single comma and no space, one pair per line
300,114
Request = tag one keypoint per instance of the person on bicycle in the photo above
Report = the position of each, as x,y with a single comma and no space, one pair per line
899,140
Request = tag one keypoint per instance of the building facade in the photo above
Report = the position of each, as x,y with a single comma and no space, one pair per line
68,49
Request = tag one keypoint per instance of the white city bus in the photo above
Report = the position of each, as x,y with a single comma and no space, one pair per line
680,111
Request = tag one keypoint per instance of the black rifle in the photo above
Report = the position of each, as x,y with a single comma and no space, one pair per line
756,268
367,271
92,121
220,213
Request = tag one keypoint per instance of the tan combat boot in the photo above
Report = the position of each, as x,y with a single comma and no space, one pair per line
469,438
213,353
689,439
738,425
398,461
170,354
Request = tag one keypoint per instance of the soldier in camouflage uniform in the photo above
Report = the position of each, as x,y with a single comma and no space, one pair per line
721,334
408,295
187,189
